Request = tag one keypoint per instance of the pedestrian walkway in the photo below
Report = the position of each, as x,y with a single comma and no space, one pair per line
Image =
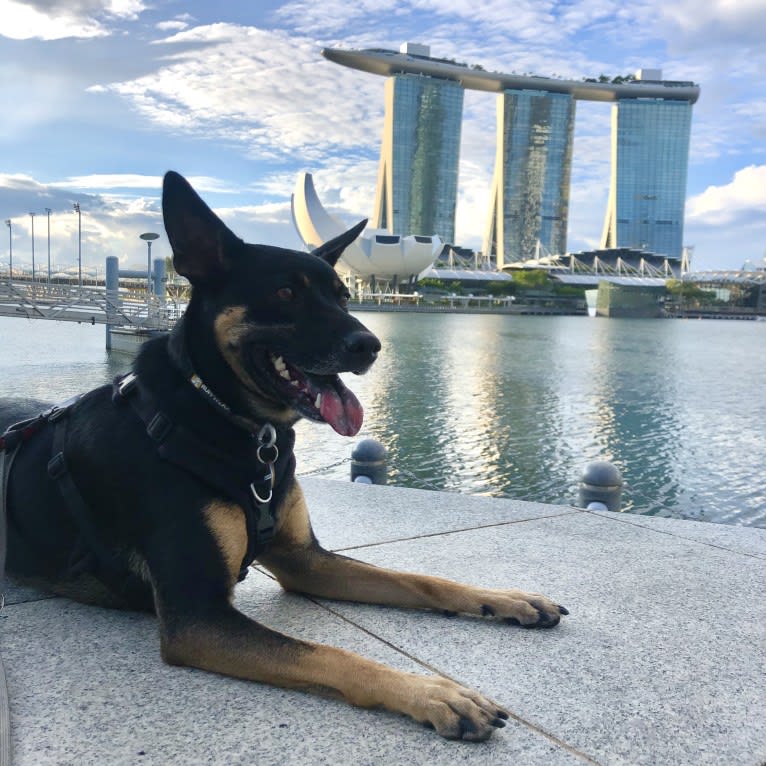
661,661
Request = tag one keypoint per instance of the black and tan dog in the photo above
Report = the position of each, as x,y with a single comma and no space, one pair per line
158,492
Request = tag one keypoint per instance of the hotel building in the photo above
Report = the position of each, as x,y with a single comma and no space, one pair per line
417,181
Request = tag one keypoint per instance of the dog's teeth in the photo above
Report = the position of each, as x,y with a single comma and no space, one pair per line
279,363
285,374
294,383
318,401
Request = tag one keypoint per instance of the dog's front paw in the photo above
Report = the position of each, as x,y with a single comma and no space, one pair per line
516,607
454,711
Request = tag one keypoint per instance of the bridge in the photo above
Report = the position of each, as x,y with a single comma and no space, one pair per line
92,304
130,314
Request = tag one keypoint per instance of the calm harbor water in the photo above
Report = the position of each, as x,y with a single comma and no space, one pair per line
514,405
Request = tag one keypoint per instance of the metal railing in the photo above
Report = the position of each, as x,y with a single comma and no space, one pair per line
94,304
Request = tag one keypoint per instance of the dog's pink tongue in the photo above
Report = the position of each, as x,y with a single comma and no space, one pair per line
341,409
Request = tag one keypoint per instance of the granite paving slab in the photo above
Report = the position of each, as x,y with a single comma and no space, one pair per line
750,540
345,515
87,686
662,660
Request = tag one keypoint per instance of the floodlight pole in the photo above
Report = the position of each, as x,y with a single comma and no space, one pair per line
8,223
48,211
76,208
149,237
32,216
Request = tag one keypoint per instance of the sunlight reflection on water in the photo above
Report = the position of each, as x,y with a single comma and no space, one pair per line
516,406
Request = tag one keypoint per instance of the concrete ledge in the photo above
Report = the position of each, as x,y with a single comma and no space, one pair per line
660,662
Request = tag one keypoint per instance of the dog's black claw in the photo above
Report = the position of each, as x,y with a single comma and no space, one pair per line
511,621
487,611
449,613
502,714
545,621
498,723
563,609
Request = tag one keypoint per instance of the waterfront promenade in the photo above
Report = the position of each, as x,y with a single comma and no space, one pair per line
661,660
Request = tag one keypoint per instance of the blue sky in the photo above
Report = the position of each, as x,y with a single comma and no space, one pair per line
100,97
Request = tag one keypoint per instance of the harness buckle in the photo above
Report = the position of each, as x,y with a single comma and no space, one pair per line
127,384
56,413
159,427
264,526
57,466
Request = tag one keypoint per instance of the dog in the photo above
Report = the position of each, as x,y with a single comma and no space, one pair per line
158,492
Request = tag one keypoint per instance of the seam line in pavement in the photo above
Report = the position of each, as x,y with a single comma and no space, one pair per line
433,669
623,520
458,531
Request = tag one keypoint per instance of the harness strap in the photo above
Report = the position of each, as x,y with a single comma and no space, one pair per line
182,447
58,471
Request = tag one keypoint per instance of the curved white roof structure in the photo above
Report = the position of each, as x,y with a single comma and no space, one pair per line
376,253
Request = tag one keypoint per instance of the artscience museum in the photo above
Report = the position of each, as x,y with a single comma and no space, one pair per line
376,255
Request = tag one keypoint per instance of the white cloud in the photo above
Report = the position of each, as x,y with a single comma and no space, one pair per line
265,90
717,21
172,26
744,194
109,181
106,181
57,20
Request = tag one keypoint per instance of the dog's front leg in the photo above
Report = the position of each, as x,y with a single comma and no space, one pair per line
301,564
223,640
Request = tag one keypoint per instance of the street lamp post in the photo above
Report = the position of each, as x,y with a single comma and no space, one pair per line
76,207
149,237
32,216
48,211
10,251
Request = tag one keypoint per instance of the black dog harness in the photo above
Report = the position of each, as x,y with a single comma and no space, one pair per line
250,467
247,477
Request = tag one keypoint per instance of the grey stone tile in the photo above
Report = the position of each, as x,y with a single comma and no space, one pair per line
747,540
18,594
87,686
662,661
345,515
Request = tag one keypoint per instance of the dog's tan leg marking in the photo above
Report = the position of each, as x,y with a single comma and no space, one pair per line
302,566
227,523
225,641
221,639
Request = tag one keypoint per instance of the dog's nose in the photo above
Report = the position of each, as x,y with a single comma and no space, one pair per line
362,347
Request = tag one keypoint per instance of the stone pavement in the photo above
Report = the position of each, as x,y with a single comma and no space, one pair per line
662,660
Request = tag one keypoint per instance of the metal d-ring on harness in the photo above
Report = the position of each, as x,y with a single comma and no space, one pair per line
267,454
267,440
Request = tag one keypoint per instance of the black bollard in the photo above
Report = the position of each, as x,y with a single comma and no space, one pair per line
600,487
368,462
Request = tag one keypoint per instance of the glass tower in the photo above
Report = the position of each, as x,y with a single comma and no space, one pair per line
417,176
650,154
533,161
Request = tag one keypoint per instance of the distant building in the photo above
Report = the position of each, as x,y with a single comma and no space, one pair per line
417,183
417,176
650,155
375,255
533,161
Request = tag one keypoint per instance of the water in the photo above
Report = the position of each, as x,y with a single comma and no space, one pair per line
516,406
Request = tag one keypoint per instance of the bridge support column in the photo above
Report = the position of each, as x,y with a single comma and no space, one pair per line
112,295
159,278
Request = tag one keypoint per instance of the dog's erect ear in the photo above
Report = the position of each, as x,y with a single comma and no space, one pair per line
332,250
201,242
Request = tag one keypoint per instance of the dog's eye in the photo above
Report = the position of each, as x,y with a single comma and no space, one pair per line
285,294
